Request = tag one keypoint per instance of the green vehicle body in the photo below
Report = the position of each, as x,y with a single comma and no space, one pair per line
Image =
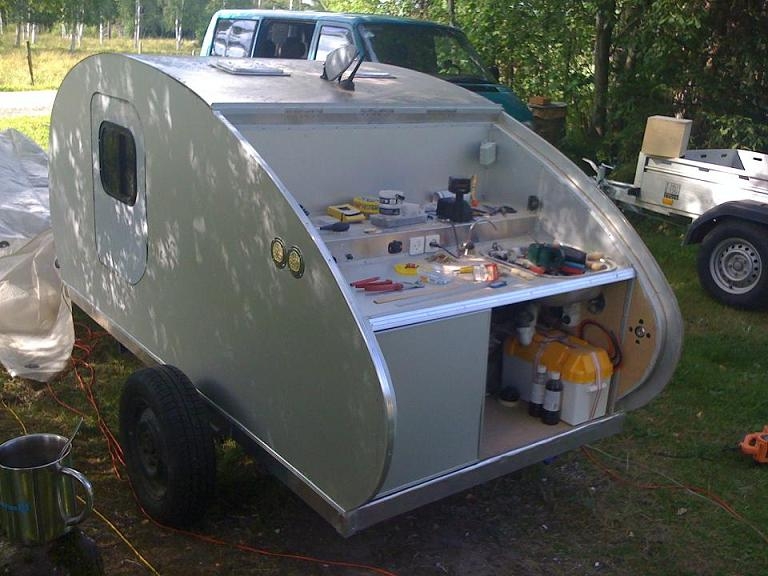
436,49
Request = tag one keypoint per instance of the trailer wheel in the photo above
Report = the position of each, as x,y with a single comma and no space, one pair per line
732,264
168,445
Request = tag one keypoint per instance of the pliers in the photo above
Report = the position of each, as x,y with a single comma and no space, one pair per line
374,284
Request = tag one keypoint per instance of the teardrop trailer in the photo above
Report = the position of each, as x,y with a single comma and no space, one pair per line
190,201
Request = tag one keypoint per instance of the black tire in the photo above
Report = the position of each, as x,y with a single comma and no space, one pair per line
733,264
168,445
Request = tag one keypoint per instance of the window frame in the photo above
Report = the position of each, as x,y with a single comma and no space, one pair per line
112,171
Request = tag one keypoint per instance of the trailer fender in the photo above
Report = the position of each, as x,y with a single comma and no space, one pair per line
747,210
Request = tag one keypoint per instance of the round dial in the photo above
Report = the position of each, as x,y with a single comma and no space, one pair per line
278,252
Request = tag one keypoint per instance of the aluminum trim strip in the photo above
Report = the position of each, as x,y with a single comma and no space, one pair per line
483,471
387,321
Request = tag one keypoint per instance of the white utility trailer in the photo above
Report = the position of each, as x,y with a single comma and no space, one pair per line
190,201
723,194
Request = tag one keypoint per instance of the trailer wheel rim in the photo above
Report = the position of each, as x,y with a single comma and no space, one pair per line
736,266
150,453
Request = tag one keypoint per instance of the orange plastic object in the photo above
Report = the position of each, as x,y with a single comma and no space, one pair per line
756,445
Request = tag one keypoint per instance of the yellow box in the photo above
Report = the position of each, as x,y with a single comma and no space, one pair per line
666,136
367,206
345,213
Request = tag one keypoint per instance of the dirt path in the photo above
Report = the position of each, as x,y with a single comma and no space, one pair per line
34,103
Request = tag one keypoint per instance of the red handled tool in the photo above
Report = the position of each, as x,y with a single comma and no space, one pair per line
374,284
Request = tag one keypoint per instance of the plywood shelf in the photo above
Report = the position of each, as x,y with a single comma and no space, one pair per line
506,428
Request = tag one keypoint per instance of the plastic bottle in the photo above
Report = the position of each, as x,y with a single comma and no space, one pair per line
537,391
553,395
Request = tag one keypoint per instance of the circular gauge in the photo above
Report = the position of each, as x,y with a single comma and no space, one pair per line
278,253
295,262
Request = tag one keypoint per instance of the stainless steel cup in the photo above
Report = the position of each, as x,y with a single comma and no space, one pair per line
37,490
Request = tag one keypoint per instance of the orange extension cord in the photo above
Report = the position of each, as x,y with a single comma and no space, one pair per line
84,347
589,452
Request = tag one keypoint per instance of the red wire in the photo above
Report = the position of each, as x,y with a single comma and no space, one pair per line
613,474
83,349
263,552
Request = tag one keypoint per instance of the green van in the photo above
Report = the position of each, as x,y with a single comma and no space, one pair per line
442,51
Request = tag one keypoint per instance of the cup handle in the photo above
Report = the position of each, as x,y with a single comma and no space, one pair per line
72,520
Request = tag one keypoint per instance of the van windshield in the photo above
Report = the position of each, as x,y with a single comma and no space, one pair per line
438,51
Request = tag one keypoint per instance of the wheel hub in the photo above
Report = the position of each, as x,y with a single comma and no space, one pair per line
736,266
149,452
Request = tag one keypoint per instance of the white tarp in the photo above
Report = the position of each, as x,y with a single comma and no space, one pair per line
36,330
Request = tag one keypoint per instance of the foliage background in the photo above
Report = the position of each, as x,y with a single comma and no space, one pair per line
698,59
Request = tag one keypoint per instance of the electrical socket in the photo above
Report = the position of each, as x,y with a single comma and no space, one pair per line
428,240
416,245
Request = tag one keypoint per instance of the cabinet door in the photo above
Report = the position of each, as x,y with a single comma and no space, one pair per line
438,372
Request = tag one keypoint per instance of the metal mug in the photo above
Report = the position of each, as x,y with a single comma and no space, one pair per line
37,490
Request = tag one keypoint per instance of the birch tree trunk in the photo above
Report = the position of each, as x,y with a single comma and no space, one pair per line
137,28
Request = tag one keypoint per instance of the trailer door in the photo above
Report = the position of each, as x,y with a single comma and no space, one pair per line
119,186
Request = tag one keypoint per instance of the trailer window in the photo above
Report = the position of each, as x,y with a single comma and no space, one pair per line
117,162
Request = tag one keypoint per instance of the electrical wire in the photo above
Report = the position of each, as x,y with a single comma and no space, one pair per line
95,511
704,493
269,553
614,352
82,351
16,416
122,537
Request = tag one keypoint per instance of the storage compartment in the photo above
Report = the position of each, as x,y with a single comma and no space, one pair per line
665,136
585,371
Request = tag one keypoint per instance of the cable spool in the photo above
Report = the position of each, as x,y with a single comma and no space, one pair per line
756,445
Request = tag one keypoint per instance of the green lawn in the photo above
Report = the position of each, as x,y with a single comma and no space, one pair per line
36,127
52,59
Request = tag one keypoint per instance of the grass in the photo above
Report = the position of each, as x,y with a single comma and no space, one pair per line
688,436
52,59
677,459
35,127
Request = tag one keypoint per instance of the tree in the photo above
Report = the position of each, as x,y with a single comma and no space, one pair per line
31,12
701,59
605,20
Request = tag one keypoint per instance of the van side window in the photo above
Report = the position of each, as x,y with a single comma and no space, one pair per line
284,39
117,162
332,37
233,38
407,46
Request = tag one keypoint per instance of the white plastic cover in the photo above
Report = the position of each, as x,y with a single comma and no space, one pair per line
36,329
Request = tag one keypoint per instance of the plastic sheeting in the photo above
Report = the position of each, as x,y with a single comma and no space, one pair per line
36,329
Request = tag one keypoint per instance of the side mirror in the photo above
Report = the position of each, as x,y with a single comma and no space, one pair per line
337,62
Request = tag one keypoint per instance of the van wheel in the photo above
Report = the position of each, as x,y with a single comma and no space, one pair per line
732,264
168,445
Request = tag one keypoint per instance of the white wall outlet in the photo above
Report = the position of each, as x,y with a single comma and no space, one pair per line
428,240
416,245
487,153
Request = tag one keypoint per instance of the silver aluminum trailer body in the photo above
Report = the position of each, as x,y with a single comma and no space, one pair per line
724,195
698,181
206,253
